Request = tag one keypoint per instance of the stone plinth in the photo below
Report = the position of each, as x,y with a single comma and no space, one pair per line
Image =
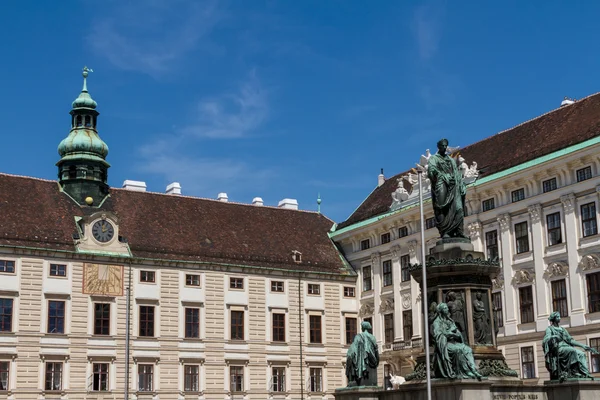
359,393
441,390
583,389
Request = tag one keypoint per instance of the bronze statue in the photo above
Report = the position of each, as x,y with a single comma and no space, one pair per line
362,358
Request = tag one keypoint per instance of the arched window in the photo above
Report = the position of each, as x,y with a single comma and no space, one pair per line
78,120
88,121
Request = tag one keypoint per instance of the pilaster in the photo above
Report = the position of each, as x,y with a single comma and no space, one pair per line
376,274
395,252
474,229
541,289
577,303
510,324
414,251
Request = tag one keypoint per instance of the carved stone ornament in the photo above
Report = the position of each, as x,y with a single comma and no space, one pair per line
412,248
589,261
418,299
474,230
366,310
504,221
395,251
386,306
556,269
523,276
498,282
406,301
535,212
568,202
375,258
400,194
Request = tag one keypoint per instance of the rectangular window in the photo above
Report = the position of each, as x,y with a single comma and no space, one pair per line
402,231
553,226
559,297
387,273
316,380
236,283
365,244
526,304
237,325
491,245
56,316
147,276
584,174
7,266
549,185
6,312
367,282
278,327
145,377
58,270
588,219
351,329
430,223
4,375
522,237
527,362
53,379
405,268
191,381
101,319
277,286
595,358
100,377
517,195
314,288
192,280
192,322
349,291
388,328
147,321
278,379
236,378
407,326
488,204
385,238
593,289
497,307
315,328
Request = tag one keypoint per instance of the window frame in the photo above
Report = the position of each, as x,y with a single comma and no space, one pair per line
349,291
57,269
522,241
407,324
236,283
526,305
430,223
5,372
367,278
491,248
101,322
145,375
517,195
278,379
190,280
99,377
365,244
350,329
6,318
191,329
488,204
278,331
146,325
237,325
549,185
559,303
147,276
8,267
237,372
403,231
591,219
405,268
387,278
594,358
583,174
191,378
278,286
313,289
50,373
553,230
316,380
315,332
529,364
56,320
385,238
388,328
593,297
497,309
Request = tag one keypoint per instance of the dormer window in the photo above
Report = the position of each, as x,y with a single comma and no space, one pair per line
297,256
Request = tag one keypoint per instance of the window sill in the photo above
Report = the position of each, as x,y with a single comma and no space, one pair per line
278,343
588,239
524,256
237,341
315,345
56,335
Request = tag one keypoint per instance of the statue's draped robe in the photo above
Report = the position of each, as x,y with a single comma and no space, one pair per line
447,192
362,355
480,323
560,354
452,359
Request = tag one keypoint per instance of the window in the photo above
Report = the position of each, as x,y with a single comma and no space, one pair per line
385,238
316,380
491,244
236,382
367,282
191,380
593,288
549,185
595,358
277,286
526,304
351,329
192,280
53,379
407,327
405,268
559,297
388,327
278,379
278,327
497,307
387,273
527,362
588,219
100,377
6,311
314,288
236,283
488,204
58,270
56,316
349,291
517,195
522,237
4,374
402,231
145,375
147,276
365,244
554,231
315,328
430,223
7,266
584,174
101,319
147,321
237,325
192,322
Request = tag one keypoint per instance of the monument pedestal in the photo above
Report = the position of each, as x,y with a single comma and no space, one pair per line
572,389
358,393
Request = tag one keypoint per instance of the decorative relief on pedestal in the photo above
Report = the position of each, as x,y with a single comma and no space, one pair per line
474,230
535,212
556,269
412,248
504,221
366,310
589,261
523,276
375,257
406,301
386,306
568,202
498,282
395,251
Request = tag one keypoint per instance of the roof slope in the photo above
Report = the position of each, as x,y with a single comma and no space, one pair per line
36,214
555,130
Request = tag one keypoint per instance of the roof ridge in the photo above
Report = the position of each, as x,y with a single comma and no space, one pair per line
28,177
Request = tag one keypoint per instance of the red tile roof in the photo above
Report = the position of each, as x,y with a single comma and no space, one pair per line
555,130
34,213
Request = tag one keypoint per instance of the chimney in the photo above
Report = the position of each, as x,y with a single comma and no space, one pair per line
567,102
223,197
174,188
291,204
380,178
136,186
257,201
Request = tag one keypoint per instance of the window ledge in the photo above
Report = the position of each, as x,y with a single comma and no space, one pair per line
588,239
278,343
316,345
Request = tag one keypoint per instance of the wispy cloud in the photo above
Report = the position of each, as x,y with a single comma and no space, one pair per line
427,26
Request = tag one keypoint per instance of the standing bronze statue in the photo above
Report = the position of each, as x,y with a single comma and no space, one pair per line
362,358
481,325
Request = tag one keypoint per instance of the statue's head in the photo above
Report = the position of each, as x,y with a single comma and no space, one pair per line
478,295
443,309
554,317
450,296
365,326
442,145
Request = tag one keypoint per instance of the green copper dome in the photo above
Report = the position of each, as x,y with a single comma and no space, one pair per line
84,101
84,142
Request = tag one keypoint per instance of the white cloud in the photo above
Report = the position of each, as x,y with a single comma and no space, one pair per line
426,25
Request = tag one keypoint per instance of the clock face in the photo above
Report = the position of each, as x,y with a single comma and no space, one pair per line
103,231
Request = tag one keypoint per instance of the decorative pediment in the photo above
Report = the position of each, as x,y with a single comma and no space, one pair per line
366,310
556,269
406,301
498,282
386,306
589,261
523,276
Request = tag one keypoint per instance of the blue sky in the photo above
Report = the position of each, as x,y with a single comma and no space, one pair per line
283,98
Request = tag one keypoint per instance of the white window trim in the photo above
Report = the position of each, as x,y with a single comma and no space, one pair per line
535,359
93,299
112,376
321,313
45,307
136,318
245,381
202,312
155,375
201,377
236,307
269,333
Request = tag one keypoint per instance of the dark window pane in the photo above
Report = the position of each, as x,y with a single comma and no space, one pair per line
147,321
101,319
387,273
351,329
237,325
559,297
6,312
278,327
56,317
526,304
315,328
192,322
407,326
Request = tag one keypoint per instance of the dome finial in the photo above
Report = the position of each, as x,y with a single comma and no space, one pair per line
85,73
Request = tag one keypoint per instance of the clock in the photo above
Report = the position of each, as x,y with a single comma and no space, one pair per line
103,231
104,280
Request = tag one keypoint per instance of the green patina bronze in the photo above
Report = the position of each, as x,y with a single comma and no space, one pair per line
447,193
563,360
362,358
